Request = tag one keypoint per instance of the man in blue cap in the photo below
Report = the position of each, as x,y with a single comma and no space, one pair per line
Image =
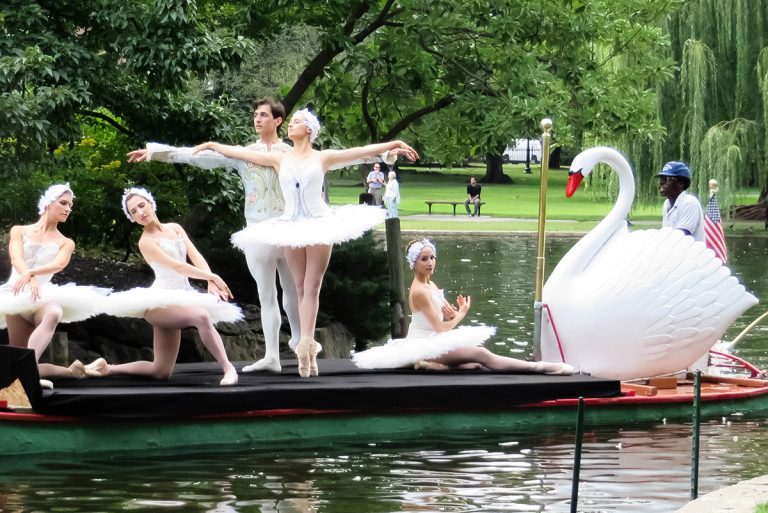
681,210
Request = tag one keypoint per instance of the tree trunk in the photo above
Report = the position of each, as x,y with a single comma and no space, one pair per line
494,172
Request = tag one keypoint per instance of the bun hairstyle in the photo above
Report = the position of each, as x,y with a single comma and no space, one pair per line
414,249
136,191
51,194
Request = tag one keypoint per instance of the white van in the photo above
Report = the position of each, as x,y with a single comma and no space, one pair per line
516,152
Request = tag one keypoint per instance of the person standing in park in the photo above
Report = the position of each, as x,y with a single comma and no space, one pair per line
375,181
263,200
681,211
473,196
392,195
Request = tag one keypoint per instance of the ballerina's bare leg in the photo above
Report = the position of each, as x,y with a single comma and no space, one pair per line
36,334
489,360
165,345
308,266
167,324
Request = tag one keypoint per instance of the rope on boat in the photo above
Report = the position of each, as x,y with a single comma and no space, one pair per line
554,329
745,330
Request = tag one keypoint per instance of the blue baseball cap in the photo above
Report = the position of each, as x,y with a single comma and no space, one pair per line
675,169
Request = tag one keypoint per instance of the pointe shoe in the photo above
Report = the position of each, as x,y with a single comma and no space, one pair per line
429,366
97,368
303,355
230,377
77,369
44,383
265,365
563,369
316,349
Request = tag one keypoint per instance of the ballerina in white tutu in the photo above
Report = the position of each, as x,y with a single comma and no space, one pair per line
434,342
308,228
30,305
170,303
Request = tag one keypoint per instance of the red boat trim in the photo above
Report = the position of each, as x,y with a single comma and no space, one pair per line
628,400
751,368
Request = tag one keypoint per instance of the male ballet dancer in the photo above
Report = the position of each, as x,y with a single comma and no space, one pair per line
263,200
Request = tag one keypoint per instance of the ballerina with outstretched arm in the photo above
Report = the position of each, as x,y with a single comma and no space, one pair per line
308,227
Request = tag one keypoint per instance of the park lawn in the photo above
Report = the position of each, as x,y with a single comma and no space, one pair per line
517,203
519,199
762,508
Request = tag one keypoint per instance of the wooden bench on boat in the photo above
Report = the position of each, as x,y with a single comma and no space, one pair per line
454,203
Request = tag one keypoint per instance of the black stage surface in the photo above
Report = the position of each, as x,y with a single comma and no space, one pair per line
193,389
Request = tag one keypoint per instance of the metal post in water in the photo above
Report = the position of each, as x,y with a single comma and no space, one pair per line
546,126
695,436
577,455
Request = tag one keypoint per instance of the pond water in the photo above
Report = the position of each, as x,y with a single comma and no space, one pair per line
638,468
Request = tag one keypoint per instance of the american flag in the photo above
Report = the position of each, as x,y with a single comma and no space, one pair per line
713,230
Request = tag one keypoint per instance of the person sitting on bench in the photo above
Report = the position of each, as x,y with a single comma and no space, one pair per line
473,196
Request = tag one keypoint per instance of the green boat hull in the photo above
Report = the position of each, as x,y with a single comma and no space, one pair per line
38,434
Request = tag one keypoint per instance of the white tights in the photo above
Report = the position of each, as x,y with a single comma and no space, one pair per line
262,262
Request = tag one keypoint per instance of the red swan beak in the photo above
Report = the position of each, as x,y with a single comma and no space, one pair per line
574,179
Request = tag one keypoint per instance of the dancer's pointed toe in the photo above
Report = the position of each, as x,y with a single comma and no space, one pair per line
77,369
264,365
97,368
304,356
316,349
230,377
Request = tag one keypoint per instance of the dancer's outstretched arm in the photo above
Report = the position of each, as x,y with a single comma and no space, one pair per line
335,158
261,158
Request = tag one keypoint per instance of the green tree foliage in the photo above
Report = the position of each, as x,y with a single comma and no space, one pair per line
62,60
462,78
714,111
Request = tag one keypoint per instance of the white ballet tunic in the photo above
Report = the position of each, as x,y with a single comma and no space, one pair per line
308,220
170,288
77,302
422,342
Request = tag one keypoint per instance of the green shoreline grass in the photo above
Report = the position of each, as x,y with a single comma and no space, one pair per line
509,208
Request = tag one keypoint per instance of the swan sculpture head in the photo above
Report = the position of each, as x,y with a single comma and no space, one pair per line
624,304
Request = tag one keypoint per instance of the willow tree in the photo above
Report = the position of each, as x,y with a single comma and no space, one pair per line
714,111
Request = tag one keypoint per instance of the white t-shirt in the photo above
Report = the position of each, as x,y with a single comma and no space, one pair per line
685,214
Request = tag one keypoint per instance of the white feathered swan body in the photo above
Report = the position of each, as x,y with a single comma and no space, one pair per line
635,304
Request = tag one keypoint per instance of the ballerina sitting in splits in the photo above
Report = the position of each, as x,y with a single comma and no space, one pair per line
308,228
170,303
434,342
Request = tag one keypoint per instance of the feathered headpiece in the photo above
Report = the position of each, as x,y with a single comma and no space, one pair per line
51,194
415,249
136,191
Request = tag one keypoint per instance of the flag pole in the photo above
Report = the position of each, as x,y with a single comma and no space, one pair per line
546,127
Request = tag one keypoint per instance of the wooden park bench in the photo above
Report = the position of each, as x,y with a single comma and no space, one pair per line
454,203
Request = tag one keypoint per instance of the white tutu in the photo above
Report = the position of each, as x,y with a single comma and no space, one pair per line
77,302
135,302
339,224
404,352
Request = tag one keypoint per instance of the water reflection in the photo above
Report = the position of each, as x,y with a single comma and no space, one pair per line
627,470
641,469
